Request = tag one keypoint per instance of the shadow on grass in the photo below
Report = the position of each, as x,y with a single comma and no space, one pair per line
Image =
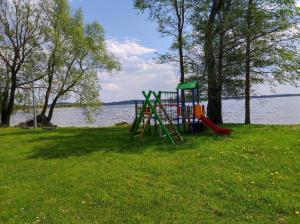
64,143
75,142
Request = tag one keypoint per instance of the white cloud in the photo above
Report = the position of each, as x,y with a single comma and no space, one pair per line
127,48
139,72
110,87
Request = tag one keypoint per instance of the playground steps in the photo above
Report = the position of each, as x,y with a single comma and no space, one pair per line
170,128
142,128
174,134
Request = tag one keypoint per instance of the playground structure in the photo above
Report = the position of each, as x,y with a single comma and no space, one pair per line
172,113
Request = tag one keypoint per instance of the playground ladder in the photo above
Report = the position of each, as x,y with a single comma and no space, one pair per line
141,129
169,130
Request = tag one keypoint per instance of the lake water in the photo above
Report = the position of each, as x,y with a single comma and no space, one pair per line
285,110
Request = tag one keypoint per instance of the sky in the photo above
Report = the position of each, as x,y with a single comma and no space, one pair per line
135,41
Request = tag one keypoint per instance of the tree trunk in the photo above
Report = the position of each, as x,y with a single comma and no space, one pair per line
248,64
181,63
52,107
247,86
214,108
11,101
180,26
220,76
47,96
50,70
180,41
180,14
182,78
4,105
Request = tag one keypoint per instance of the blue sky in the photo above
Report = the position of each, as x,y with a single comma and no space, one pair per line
135,41
122,21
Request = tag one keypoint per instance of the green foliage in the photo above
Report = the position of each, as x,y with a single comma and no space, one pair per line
273,46
99,176
95,41
273,30
22,25
47,41
164,12
227,49
76,53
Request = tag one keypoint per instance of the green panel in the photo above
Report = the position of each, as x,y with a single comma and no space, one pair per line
140,117
187,85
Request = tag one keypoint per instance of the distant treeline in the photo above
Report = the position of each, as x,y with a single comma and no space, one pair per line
58,105
132,102
128,102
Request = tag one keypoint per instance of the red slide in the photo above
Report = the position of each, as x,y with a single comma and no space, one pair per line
218,130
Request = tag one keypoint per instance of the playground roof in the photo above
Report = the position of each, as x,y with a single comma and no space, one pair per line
187,85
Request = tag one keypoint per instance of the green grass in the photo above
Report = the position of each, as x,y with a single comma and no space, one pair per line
100,176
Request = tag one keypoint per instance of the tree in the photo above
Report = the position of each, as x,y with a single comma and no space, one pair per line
270,54
244,43
75,54
21,34
226,48
59,32
214,107
212,28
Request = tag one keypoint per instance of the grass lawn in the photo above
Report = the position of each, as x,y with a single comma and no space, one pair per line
81,175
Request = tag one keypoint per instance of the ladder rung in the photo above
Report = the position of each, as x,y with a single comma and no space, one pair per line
170,127
177,140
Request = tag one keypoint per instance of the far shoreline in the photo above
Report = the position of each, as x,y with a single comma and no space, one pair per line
132,102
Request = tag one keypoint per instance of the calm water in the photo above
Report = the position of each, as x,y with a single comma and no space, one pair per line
284,110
